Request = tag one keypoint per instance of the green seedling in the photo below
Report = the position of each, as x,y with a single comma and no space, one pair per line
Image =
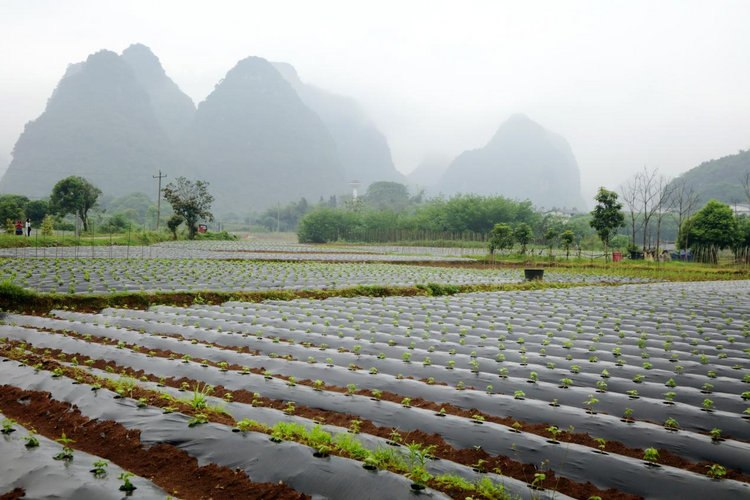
7,426
651,455
31,440
671,424
99,467
716,471
67,451
715,434
126,484
601,444
198,419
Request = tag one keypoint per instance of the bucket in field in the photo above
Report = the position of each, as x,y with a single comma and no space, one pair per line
533,274
616,256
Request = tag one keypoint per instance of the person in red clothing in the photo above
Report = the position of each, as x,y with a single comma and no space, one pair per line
19,228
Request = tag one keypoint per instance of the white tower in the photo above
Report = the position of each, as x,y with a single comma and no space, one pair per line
355,185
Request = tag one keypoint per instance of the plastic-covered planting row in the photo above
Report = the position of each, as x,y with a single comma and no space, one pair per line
343,333
688,417
28,462
261,459
271,417
162,252
576,462
103,275
640,435
262,246
689,445
725,393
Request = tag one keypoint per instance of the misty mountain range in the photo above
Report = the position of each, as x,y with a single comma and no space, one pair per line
262,136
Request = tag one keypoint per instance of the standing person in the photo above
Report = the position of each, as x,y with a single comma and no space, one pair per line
28,227
19,228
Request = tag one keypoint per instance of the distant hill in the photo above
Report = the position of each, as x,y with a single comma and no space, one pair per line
523,161
257,143
173,108
101,123
362,148
429,171
720,179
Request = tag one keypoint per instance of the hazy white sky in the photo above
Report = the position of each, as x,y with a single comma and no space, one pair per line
628,83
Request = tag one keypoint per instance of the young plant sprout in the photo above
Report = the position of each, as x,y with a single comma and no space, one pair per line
651,456
716,471
126,484
99,467
671,424
67,451
31,440
7,426
715,434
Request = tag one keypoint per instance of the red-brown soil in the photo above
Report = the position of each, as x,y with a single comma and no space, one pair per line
165,465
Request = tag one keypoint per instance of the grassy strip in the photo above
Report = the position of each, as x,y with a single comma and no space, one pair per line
669,271
18,299
69,240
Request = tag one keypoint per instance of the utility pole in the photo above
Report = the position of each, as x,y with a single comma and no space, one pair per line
158,198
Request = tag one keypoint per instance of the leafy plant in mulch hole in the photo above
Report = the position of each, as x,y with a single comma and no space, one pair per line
440,413
520,395
715,435
671,425
477,419
198,419
716,471
554,403
396,438
516,427
126,484
669,397
565,383
627,416
67,451
554,430
708,406
539,478
590,404
376,395
99,468
651,456
406,402
290,408
7,425
601,445
31,440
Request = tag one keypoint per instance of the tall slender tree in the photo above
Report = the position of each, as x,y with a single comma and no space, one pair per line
607,217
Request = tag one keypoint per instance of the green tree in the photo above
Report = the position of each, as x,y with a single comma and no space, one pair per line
325,224
712,228
387,195
191,200
48,226
11,209
173,223
550,236
37,210
607,217
501,238
74,195
523,235
567,238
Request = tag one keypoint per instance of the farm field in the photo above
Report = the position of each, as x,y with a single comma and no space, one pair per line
112,275
620,392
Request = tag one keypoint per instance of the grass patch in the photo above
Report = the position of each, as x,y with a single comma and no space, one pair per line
25,301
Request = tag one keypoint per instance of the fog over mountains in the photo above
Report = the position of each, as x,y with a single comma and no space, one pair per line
261,137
